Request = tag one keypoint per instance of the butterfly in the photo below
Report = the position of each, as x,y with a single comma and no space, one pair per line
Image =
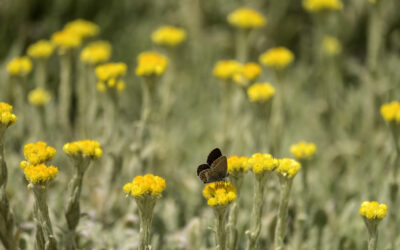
215,169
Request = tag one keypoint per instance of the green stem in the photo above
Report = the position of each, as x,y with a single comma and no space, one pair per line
233,213
242,37
227,111
280,230
64,92
40,76
376,29
372,227
146,209
221,229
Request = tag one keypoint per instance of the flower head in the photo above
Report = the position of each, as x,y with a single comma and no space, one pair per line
248,73
19,66
391,112
238,164
40,174
261,163
42,49
66,40
168,35
260,92
82,28
227,69
288,168
303,150
331,46
372,210
38,153
321,5
219,193
151,64
7,118
278,58
109,75
142,186
96,52
246,18
83,148
39,97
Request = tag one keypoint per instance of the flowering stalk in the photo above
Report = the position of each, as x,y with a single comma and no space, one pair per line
280,229
146,210
372,213
41,73
221,227
242,40
233,214
64,91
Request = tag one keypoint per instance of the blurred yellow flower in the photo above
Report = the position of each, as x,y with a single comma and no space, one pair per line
372,210
7,118
226,69
142,186
151,64
168,35
38,153
321,5
261,163
288,167
82,28
248,73
372,1
303,150
39,97
66,40
219,193
96,52
20,66
238,164
246,18
83,148
109,75
42,49
40,174
279,57
260,92
391,112
331,45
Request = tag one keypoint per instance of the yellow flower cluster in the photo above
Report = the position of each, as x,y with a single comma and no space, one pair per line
38,153
7,118
83,148
19,66
82,28
303,150
66,40
168,35
321,5
219,193
238,164
246,18
260,92
40,174
331,46
260,163
248,73
279,57
372,210
109,74
227,69
41,50
96,52
149,185
288,167
391,112
151,64
39,97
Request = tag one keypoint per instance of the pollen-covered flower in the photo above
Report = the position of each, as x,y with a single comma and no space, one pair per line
142,186
83,148
66,40
168,35
260,92
38,153
372,210
303,150
82,28
151,64
238,164
260,163
279,57
288,167
331,46
20,66
40,174
391,112
96,52
219,193
226,69
321,5
7,118
39,97
246,18
42,49
110,75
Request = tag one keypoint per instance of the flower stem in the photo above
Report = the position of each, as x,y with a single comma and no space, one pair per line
372,227
286,185
40,76
146,209
233,213
64,92
221,229
242,36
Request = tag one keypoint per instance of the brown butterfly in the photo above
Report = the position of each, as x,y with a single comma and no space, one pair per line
215,169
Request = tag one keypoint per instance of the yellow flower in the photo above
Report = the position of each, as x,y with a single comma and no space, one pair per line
39,97
168,35
66,40
83,148
372,210
226,69
279,57
248,73
288,167
7,118
391,112
260,163
38,153
238,164
40,174
19,66
331,45
109,75
82,28
303,150
40,50
148,185
246,18
321,5
219,193
151,64
96,52
260,92
372,1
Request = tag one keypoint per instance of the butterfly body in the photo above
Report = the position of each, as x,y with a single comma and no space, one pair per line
215,169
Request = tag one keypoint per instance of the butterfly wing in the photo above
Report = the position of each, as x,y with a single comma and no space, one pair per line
201,168
218,170
213,155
